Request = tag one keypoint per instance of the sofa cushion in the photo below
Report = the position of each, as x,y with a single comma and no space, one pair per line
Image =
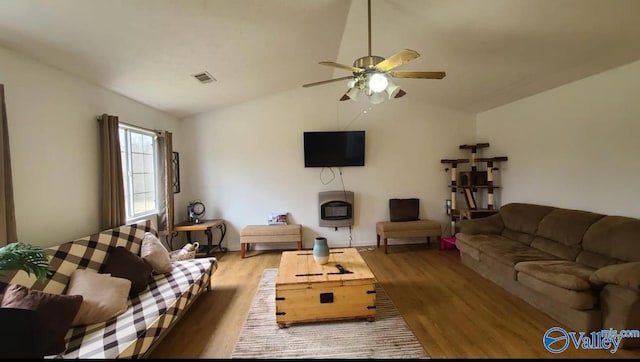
54,313
523,217
624,275
566,226
155,254
486,225
470,244
562,273
497,266
577,299
103,296
122,263
518,236
594,260
555,248
404,209
476,240
615,237
511,253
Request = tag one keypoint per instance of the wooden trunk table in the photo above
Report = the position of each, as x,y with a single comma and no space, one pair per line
309,292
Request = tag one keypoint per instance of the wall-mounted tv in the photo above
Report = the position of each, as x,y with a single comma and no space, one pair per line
334,149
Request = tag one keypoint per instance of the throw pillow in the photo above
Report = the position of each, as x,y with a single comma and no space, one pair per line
624,274
155,254
404,209
278,218
55,314
122,263
103,296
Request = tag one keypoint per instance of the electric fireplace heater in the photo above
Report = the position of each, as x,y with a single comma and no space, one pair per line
336,208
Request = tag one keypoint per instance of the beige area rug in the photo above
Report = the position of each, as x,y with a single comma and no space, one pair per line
387,337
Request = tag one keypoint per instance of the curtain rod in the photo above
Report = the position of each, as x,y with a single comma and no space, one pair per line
134,126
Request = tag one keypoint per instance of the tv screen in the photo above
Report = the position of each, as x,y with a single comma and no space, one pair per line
334,149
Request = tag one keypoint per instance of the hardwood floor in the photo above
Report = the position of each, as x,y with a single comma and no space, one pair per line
453,311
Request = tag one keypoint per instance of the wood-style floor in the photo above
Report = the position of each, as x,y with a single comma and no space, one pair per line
454,312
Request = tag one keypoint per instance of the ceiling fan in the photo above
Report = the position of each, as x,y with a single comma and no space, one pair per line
372,74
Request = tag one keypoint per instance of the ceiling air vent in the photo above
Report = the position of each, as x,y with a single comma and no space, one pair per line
204,77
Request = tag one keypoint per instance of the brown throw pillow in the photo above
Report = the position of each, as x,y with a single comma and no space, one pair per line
155,254
103,296
404,209
55,314
122,263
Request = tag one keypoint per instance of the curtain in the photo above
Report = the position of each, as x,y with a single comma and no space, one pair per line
165,194
113,212
8,233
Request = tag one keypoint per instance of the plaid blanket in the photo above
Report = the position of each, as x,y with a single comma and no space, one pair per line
150,314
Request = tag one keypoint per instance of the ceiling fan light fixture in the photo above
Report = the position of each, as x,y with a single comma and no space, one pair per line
353,93
393,90
377,98
378,82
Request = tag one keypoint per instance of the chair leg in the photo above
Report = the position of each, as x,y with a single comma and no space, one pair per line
385,245
378,240
242,250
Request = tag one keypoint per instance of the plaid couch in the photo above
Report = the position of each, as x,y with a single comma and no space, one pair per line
150,314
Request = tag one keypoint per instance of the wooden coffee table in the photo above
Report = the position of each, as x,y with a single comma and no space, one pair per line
309,292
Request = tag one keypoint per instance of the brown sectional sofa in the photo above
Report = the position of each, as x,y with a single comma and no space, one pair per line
579,267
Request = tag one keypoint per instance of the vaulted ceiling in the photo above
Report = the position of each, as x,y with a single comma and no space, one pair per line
493,51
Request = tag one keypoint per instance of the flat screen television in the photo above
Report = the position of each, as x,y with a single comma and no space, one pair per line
334,148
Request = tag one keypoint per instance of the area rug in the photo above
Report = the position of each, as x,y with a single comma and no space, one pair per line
386,337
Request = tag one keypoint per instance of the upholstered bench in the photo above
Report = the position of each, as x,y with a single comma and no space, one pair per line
254,234
407,229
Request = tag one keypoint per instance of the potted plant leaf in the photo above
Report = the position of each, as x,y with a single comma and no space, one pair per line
27,257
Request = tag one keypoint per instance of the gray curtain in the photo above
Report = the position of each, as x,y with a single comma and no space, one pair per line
113,212
165,194
8,233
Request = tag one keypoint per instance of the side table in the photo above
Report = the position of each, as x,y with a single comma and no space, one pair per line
206,226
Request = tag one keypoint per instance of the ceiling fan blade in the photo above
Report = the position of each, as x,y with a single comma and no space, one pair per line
342,66
397,59
400,94
414,74
326,81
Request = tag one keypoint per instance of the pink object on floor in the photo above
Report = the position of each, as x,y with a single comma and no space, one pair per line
447,242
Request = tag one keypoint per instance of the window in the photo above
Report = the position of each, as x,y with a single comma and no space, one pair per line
138,150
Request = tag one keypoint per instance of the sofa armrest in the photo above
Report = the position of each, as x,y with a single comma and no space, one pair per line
624,274
487,225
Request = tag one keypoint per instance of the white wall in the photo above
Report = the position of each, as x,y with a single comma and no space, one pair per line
574,146
246,161
54,146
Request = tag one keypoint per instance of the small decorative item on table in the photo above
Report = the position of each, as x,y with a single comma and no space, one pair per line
321,250
278,218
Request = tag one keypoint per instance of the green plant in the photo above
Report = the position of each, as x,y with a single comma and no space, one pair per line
27,257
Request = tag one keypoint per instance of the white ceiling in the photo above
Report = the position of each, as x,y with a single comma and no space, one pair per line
493,51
